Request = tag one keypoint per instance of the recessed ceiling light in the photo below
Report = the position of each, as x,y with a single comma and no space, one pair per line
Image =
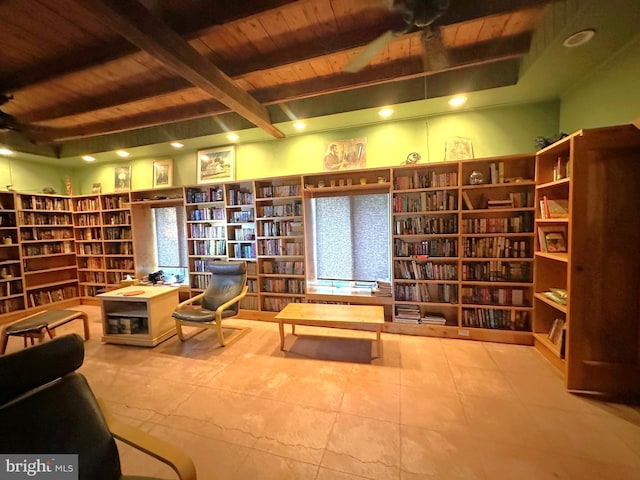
122,153
579,38
458,100
386,112
177,145
299,125
233,137
88,158
5,151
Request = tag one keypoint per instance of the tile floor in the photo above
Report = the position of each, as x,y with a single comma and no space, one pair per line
429,408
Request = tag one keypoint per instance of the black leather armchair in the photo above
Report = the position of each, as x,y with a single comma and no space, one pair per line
219,301
46,407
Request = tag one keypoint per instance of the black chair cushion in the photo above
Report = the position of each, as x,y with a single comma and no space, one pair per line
227,281
200,314
61,417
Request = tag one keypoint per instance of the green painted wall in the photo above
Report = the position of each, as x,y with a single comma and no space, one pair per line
493,131
32,177
609,96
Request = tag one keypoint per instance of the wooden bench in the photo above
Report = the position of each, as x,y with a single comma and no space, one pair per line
352,317
34,326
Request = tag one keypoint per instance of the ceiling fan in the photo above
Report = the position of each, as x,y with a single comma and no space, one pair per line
416,14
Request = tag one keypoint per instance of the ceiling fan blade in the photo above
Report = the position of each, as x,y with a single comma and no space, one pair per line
370,51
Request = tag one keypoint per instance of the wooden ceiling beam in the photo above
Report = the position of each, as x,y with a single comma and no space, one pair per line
133,122
461,58
87,57
303,52
131,20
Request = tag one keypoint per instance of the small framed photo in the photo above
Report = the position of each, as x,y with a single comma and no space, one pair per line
553,239
217,164
122,179
162,173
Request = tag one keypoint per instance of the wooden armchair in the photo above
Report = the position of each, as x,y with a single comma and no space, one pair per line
219,301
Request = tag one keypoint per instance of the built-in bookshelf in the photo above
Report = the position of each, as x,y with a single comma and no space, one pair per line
11,279
87,225
240,212
206,232
117,239
497,243
587,259
280,242
46,240
425,237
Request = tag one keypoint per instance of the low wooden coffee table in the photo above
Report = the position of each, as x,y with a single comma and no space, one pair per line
351,317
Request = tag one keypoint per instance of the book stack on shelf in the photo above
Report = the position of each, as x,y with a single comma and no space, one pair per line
430,318
381,289
407,314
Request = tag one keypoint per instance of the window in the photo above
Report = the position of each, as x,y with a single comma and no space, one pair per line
351,237
170,237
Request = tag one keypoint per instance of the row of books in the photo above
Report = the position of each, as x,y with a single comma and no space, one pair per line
283,285
41,219
28,202
278,191
291,209
209,213
280,247
425,180
281,228
282,267
494,296
439,247
411,314
415,270
275,304
496,247
422,292
205,195
497,271
521,223
44,297
425,202
496,319
426,225
381,288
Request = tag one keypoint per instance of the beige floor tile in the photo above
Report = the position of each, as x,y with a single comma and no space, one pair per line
431,408
428,453
266,466
582,468
365,447
318,391
297,432
468,354
372,399
230,416
481,382
504,462
327,474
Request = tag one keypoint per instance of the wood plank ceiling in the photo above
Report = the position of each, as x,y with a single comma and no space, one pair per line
79,69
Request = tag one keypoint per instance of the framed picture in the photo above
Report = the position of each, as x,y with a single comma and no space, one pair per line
96,188
162,173
122,178
345,154
553,238
458,148
217,164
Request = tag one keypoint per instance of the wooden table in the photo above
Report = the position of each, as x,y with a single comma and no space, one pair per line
351,317
143,320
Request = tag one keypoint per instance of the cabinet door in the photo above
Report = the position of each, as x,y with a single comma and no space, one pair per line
604,338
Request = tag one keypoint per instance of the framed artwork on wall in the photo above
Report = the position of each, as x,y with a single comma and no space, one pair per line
345,154
122,179
162,173
458,148
216,164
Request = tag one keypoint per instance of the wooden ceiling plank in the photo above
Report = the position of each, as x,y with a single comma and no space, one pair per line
492,27
87,56
136,24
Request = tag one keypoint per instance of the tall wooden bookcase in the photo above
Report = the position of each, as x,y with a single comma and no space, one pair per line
47,248
11,291
280,242
463,248
598,262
